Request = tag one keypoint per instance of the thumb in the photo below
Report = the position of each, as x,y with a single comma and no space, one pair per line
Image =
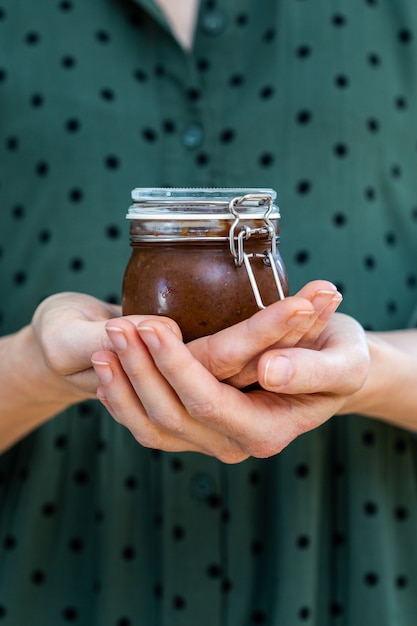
306,371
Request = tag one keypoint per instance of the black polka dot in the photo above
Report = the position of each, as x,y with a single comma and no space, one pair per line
400,103
65,5
302,470
236,80
112,162
128,553
266,159
257,547
20,277
304,613
369,262
149,134
258,617
303,117
178,532
12,144
401,513
401,581
169,126
339,539
266,92
75,195
72,125
369,438
107,94
70,614
76,264
45,236
18,212
76,545
140,75
338,20
193,94
302,257
370,508
336,609
103,36
42,168
340,150
340,219
179,603
371,579
372,125
303,541
374,59
269,35
214,570
405,36
242,19
176,464
38,577
37,100
227,135
32,38
81,477
303,187
202,159
9,542
303,52
341,81
48,509
61,442
68,62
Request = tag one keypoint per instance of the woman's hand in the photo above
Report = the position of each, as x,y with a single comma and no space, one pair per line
171,400
68,328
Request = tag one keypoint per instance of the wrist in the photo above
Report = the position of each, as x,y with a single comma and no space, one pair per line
390,391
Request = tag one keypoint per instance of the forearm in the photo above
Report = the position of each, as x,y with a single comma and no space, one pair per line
390,391
30,393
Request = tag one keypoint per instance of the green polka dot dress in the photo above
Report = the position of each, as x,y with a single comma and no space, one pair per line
317,100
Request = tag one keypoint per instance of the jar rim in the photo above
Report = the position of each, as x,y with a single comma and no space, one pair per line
193,193
196,203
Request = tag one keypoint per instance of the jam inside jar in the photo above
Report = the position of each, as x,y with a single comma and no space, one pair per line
207,258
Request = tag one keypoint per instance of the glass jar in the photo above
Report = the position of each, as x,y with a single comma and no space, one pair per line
207,258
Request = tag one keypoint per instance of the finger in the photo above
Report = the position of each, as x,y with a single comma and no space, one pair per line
305,332
140,397
227,352
120,399
340,367
251,422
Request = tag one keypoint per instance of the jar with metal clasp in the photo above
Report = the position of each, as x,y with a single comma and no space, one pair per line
207,258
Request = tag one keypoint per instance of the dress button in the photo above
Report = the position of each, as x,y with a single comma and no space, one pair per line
213,22
202,486
193,136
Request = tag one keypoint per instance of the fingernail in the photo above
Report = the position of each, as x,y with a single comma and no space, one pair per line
117,337
328,310
149,337
278,371
321,298
103,371
298,317
101,395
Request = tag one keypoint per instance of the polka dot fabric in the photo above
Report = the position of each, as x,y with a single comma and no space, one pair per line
319,102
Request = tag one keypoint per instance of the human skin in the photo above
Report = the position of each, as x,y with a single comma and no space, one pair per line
165,393
46,367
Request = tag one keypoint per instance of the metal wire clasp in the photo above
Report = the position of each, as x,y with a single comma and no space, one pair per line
237,241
